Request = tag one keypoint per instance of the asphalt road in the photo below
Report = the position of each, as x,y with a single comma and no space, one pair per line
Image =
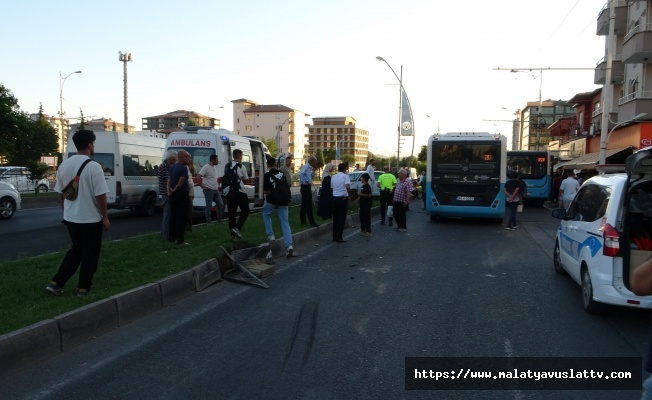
338,321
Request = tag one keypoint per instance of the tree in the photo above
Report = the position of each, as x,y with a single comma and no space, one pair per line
329,155
319,155
423,154
348,158
23,141
271,146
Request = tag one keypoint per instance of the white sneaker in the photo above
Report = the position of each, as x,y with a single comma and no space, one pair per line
236,233
268,258
271,238
289,252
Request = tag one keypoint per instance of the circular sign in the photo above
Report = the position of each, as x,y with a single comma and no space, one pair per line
646,142
407,126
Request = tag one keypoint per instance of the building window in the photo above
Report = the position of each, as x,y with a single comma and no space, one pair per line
249,128
248,117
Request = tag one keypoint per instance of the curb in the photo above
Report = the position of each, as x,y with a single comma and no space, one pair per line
51,337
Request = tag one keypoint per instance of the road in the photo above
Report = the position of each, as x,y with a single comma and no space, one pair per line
338,321
38,231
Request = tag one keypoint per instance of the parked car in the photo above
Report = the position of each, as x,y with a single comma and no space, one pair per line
20,178
606,232
356,183
9,200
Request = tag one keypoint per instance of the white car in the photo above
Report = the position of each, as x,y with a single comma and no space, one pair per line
9,200
20,178
606,232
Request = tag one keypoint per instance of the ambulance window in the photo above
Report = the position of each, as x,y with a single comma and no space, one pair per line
246,162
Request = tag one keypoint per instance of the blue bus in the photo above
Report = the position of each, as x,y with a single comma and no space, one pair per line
466,174
534,169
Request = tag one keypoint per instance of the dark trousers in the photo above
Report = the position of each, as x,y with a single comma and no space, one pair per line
84,254
400,214
178,216
365,218
306,205
512,207
386,199
233,201
340,206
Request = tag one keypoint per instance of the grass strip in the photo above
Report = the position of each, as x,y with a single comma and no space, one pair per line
124,265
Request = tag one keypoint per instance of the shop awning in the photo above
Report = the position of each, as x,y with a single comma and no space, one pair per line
589,161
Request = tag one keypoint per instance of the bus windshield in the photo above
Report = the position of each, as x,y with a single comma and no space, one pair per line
467,157
528,166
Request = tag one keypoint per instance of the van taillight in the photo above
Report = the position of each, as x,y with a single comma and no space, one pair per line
611,241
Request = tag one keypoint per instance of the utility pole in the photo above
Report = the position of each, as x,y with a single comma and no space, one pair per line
126,57
608,88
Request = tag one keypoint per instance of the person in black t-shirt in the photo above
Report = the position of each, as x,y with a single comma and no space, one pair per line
365,205
511,200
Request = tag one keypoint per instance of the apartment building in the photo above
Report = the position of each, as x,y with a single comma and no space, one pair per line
175,120
286,126
103,124
534,132
342,133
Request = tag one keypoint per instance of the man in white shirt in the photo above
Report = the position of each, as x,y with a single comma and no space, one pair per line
237,198
208,175
370,170
85,217
341,185
568,189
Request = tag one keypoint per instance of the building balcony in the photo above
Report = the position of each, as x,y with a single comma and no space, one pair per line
617,71
620,22
637,47
634,104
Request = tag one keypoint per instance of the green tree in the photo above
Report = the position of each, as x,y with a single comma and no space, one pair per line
329,155
319,155
348,158
271,146
192,122
23,141
423,154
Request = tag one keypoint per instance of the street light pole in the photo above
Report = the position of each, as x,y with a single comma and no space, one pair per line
209,115
64,137
126,57
400,93
603,148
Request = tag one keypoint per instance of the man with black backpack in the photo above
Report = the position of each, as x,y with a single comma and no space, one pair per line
235,175
278,196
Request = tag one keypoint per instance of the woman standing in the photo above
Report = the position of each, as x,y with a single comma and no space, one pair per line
325,207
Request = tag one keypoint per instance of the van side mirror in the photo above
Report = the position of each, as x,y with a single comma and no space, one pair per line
559,213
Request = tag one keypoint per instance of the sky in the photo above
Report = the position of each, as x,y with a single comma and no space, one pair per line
318,57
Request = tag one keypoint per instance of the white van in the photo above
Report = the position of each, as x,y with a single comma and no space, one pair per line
130,163
202,142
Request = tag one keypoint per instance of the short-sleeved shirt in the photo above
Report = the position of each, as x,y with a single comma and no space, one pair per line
570,186
209,176
510,187
366,201
176,172
402,191
370,171
288,174
163,175
338,184
84,209
242,173
387,181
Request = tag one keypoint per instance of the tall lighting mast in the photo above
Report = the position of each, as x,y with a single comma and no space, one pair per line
125,57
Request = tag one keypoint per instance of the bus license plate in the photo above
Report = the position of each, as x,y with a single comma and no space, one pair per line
465,198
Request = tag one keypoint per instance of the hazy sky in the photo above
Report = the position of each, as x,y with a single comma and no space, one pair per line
318,57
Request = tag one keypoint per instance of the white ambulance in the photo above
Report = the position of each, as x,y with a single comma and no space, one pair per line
130,163
201,142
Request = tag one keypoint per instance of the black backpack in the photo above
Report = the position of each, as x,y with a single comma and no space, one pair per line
281,194
231,179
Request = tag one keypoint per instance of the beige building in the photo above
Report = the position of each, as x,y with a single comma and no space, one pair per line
334,132
287,126
103,124
175,120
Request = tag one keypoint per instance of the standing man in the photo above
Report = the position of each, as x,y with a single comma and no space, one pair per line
287,169
386,183
274,178
236,196
370,170
568,189
305,179
341,185
401,200
208,175
85,217
179,186
163,176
